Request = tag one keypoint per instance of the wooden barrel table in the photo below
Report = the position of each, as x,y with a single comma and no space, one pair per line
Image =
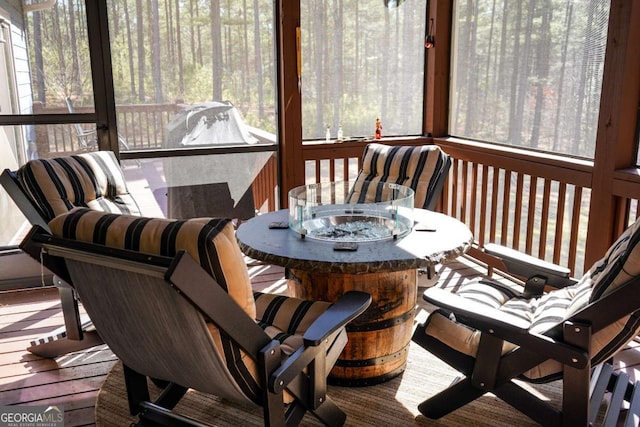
379,338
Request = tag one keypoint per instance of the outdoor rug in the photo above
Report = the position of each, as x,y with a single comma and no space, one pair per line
390,404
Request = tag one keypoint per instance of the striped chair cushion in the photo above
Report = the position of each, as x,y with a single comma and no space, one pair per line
212,243
92,180
418,167
286,318
620,264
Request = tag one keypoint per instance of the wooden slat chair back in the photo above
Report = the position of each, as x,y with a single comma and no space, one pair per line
11,184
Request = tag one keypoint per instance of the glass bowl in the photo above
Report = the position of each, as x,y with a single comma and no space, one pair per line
329,211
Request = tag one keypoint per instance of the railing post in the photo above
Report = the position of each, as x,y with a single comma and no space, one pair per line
42,138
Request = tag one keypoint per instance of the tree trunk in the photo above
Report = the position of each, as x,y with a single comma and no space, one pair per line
488,91
258,54
245,53
383,64
58,43
542,59
192,33
200,60
337,62
228,60
141,55
132,87
563,60
75,66
406,86
319,25
513,129
37,43
179,52
356,64
169,41
501,61
523,84
216,50
155,49
470,125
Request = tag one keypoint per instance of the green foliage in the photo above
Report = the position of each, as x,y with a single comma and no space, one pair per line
529,73
200,87
186,63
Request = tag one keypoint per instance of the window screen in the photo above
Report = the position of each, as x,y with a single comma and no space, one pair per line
529,73
361,61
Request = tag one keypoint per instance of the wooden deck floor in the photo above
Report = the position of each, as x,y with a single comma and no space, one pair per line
73,380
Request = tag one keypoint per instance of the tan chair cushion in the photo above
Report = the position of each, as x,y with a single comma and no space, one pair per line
210,241
286,318
92,180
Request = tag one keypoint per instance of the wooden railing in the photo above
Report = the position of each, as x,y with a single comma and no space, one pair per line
536,203
627,188
143,127
533,202
332,162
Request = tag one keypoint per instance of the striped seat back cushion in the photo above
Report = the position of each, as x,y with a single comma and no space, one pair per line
93,180
212,243
417,167
620,264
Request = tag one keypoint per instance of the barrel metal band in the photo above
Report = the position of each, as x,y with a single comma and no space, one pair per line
364,382
383,324
355,363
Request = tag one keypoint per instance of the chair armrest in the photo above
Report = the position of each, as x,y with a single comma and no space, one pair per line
348,307
506,327
527,266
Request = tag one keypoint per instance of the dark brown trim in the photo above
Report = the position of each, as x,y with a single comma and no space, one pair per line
204,151
289,98
46,119
615,140
102,75
438,69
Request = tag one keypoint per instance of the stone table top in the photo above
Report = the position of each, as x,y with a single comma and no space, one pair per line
446,239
